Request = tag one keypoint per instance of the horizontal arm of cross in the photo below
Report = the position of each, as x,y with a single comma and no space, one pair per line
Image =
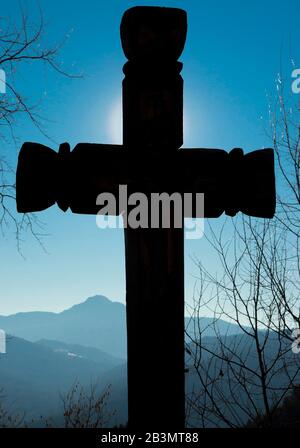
231,182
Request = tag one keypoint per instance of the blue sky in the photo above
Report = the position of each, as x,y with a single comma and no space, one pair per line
233,53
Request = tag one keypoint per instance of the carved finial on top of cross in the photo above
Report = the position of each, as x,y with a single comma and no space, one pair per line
153,39
153,32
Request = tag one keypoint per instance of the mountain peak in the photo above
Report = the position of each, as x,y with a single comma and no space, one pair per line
96,299
97,302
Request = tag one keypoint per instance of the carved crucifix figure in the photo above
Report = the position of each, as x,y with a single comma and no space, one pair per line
150,161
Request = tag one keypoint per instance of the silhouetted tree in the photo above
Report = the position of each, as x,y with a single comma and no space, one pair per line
240,378
86,407
287,415
9,419
21,42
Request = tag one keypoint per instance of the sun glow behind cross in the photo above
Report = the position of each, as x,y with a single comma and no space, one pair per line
115,136
115,123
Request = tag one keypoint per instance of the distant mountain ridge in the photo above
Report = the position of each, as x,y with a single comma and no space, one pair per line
88,343
97,322
34,375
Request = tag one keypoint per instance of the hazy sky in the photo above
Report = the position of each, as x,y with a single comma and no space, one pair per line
233,53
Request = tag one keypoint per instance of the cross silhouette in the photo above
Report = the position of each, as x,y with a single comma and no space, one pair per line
150,160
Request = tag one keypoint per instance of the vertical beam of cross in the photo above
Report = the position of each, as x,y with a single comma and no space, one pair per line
155,328
153,121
